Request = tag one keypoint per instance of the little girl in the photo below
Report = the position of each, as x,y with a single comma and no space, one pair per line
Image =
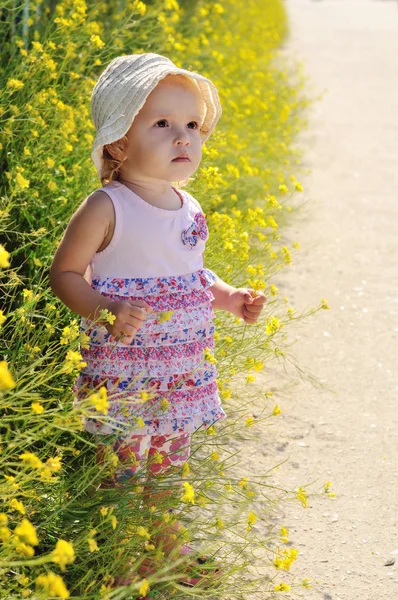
140,241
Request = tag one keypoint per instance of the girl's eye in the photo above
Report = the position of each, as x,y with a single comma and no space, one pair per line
164,121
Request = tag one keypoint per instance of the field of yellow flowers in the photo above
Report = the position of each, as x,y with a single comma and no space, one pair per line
61,536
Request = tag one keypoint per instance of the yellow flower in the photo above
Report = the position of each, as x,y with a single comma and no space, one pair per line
63,554
21,181
25,550
324,304
96,41
302,496
15,84
104,510
100,400
17,505
219,523
143,531
215,456
185,470
144,587
298,187
249,422
283,188
282,587
306,583
73,361
284,533
276,411
69,333
106,315
327,486
27,533
31,460
4,256
5,533
250,379
272,325
164,405
37,408
93,545
3,519
251,518
54,463
165,316
189,494
209,356
53,585
6,380
50,162
113,521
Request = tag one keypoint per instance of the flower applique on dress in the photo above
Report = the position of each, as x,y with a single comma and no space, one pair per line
197,229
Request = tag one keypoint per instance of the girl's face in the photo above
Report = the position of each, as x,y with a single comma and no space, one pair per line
167,125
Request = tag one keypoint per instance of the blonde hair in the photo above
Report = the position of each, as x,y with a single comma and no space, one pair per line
112,166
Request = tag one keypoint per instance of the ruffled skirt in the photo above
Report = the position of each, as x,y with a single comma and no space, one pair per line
166,358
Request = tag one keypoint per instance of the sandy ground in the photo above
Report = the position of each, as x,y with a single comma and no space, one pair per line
348,255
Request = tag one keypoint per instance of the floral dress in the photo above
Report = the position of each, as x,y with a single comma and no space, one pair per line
155,255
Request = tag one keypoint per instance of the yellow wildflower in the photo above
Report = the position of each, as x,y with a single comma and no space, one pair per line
324,304
306,583
21,181
209,356
6,380
144,587
165,316
4,257
54,463
31,460
282,587
27,533
53,585
185,470
189,494
37,408
143,531
100,400
104,510
106,315
17,505
25,550
69,333
73,361
63,554
276,411
249,422
15,84
93,545
113,521
215,456
302,496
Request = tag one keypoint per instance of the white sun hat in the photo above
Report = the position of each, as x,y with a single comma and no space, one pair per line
121,92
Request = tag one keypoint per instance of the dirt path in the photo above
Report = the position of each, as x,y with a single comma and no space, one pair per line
349,255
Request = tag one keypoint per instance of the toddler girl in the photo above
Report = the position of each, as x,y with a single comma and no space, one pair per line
139,241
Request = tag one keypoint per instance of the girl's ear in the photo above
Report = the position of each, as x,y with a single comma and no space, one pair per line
116,149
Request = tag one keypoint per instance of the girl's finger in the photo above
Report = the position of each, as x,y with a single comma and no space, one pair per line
254,309
248,316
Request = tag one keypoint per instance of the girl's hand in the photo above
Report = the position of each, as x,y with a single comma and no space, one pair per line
130,316
245,304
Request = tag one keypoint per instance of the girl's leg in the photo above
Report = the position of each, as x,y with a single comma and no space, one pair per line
175,451
132,453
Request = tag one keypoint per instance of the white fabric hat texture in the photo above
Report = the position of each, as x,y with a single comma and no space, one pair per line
121,92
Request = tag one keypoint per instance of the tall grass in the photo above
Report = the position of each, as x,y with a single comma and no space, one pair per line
63,531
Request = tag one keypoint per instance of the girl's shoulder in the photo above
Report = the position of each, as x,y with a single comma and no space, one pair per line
192,200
